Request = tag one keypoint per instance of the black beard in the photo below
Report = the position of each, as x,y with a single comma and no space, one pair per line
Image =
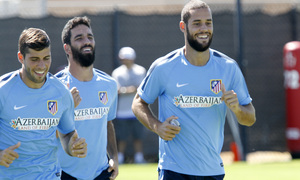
195,44
85,60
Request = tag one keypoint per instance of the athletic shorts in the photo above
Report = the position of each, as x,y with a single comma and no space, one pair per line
103,176
171,175
126,128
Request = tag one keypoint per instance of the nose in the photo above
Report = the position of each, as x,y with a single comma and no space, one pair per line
41,64
203,27
88,41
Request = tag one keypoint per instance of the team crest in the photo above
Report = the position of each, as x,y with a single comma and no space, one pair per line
215,85
52,106
103,97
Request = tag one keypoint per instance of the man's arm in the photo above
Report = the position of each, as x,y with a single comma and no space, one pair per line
244,114
112,150
143,113
73,145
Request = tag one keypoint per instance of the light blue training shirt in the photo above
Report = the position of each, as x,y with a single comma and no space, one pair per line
32,117
98,105
193,93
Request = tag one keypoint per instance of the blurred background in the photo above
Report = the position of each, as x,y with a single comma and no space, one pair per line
255,38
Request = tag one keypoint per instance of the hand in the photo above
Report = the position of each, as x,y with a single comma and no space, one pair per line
77,146
168,131
76,97
113,167
8,155
230,99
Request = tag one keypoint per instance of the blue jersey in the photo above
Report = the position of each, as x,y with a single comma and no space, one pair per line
193,93
32,117
98,105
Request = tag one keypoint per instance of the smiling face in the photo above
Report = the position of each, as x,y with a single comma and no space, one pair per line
82,45
35,66
199,29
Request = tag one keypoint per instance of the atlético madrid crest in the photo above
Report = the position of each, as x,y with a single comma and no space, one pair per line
215,85
103,97
52,106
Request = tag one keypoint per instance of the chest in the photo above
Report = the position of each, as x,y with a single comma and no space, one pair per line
198,82
32,111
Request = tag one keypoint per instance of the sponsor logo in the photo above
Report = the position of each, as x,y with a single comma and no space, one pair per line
34,123
181,85
19,107
103,97
215,85
52,106
196,101
90,113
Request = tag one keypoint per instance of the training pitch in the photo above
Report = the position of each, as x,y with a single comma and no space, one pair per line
236,171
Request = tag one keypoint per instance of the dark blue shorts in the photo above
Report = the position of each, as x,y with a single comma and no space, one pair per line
103,176
129,128
171,175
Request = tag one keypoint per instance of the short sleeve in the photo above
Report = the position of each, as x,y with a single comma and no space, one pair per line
66,123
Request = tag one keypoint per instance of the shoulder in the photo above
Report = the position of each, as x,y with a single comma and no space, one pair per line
138,69
56,83
169,60
62,74
8,77
222,58
119,70
103,76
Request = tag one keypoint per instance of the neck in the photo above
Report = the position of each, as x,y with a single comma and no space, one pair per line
29,83
129,66
196,58
79,72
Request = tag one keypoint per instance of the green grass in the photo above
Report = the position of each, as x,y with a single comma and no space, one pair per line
138,172
236,171
266,171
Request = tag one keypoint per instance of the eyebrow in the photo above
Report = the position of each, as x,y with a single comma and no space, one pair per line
37,57
199,20
79,35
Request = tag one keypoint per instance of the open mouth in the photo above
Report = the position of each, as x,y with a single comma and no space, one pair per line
87,49
202,36
40,73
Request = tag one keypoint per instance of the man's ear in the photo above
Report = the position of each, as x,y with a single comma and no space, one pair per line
67,49
20,57
182,26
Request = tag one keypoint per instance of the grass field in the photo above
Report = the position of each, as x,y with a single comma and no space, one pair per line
235,171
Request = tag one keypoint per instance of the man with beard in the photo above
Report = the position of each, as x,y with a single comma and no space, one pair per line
33,105
95,98
194,85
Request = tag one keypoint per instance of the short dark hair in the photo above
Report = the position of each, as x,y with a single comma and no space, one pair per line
72,23
191,5
33,38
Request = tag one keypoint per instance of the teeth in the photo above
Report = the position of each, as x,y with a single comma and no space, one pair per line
39,72
202,36
87,49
